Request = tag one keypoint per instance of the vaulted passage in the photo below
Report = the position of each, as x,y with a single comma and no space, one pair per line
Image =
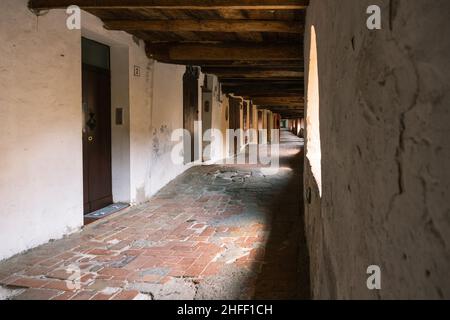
215,232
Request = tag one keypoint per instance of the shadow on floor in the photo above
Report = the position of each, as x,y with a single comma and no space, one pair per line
285,272
215,232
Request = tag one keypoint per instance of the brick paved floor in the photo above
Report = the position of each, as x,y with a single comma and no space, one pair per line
215,232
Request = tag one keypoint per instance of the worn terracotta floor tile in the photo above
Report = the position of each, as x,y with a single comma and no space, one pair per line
224,226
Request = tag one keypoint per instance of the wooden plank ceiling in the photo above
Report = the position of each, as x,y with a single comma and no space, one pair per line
253,46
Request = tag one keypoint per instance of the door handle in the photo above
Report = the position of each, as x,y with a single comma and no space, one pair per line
92,122
90,138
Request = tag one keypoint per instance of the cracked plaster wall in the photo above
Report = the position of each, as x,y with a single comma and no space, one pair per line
166,116
384,125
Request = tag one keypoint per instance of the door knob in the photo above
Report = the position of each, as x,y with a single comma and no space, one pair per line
90,138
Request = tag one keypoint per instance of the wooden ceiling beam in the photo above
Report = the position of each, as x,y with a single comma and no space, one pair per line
173,4
262,82
252,64
256,90
278,109
285,109
274,95
291,116
206,25
271,100
249,95
240,69
255,74
264,88
295,64
279,104
218,52
248,79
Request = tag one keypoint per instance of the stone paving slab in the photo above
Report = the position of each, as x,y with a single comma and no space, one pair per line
215,232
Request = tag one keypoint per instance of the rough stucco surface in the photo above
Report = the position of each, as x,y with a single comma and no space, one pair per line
166,116
41,195
41,186
384,115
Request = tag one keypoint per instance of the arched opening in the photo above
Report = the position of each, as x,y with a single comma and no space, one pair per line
313,147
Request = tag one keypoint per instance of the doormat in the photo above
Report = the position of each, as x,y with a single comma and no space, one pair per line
104,212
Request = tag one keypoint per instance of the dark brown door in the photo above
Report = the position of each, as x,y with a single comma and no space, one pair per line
235,119
96,138
251,115
268,128
245,121
260,125
190,111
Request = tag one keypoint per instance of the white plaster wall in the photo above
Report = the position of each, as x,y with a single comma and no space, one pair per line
384,129
141,91
219,120
167,115
120,134
41,186
41,190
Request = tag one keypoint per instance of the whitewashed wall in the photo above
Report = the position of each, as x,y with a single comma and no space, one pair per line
41,186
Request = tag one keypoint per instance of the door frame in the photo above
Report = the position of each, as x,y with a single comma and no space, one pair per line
90,205
234,122
190,110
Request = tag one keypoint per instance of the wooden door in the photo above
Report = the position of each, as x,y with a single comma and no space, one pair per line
245,121
97,181
260,125
190,111
251,116
235,119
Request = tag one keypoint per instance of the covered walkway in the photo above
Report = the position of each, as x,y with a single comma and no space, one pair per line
215,232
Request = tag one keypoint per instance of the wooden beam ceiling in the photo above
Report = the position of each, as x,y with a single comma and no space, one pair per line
286,109
222,25
254,47
290,115
243,83
251,90
252,68
282,106
281,100
274,95
254,74
173,4
249,64
224,51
